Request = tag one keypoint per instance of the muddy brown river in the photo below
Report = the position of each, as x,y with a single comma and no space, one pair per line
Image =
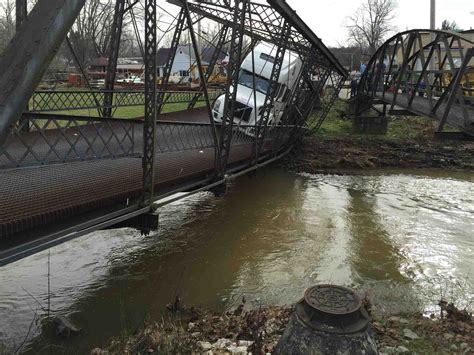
407,239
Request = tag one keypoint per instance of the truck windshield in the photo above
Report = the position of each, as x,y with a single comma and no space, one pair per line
246,79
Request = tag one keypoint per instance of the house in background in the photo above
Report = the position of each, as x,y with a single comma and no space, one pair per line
183,61
183,70
99,65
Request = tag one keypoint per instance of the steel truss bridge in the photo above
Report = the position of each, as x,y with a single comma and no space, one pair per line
69,165
422,72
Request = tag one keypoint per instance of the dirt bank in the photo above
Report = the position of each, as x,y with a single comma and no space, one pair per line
326,154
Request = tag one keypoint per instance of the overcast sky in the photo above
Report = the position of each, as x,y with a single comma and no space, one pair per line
327,17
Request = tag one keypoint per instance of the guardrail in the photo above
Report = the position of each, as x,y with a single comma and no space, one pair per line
52,101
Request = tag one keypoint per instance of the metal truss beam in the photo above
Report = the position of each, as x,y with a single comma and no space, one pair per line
212,64
266,24
32,48
456,90
337,83
149,126
290,15
180,22
233,69
115,38
307,93
269,105
203,83
21,12
423,77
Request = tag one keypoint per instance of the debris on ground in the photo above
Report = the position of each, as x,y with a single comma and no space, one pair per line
257,331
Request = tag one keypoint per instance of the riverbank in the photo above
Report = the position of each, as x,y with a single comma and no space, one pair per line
257,331
408,144
342,154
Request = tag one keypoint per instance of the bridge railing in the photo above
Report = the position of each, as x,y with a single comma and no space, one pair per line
41,139
72,100
430,73
55,139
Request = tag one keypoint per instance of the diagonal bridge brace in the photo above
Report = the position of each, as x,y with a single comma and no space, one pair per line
28,55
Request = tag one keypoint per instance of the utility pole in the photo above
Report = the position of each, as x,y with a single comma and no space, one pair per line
433,15
433,36
199,47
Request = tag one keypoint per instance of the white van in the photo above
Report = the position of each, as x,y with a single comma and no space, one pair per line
249,107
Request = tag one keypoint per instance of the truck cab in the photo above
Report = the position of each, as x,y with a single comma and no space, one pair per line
254,84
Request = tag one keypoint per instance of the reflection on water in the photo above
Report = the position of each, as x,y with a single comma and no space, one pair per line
268,239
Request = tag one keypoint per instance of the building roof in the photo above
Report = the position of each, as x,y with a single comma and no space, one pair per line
163,53
100,62
161,58
207,54
130,67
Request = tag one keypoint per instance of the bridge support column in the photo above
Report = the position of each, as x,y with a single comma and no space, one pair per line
365,124
145,223
219,190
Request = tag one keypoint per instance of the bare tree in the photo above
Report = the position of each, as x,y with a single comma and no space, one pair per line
371,24
450,26
7,22
91,34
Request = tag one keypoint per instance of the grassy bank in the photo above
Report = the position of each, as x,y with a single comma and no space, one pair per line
409,143
401,128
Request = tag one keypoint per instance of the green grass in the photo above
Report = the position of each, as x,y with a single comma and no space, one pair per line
133,112
127,112
398,127
335,125
41,101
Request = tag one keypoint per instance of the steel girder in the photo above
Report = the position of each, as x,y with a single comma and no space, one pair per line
21,11
203,82
149,125
427,72
212,64
328,99
29,54
233,70
180,22
268,106
264,23
115,38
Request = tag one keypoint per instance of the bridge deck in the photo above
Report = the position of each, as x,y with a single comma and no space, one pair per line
32,197
421,106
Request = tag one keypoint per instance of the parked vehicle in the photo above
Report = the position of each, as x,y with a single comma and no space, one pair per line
131,79
253,87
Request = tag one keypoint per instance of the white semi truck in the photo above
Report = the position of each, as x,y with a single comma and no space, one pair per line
250,99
